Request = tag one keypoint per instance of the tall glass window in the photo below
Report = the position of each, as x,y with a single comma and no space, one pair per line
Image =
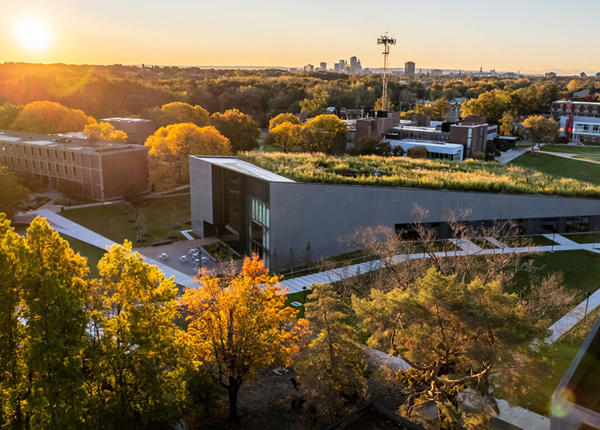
259,229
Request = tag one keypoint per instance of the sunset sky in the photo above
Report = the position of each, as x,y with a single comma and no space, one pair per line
526,35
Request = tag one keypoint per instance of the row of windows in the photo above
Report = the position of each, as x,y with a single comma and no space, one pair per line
47,168
50,154
587,128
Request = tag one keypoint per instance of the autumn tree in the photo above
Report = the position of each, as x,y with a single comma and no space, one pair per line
12,193
538,129
324,133
44,328
8,113
179,112
507,124
316,103
171,146
286,135
491,104
104,131
332,368
136,355
240,128
437,110
451,333
283,118
50,117
241,325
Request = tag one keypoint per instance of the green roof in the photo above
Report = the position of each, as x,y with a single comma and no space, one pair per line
420,173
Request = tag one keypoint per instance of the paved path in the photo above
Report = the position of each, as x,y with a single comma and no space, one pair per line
508,156
569,156
70,228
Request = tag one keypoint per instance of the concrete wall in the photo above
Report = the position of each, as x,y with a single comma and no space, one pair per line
201,198
325,215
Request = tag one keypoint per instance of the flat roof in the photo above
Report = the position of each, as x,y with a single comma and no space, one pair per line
437,147
237,165
66,141
117,119
577,103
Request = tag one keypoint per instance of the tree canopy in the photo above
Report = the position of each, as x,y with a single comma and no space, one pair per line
171,146
105,132
12,193
283,118
324,133
241,130
50,117
241,325
179,112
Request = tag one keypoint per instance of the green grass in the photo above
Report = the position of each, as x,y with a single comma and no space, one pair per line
91,252
158,219
587,150
560,167
593,237
434,174
220,252
521,241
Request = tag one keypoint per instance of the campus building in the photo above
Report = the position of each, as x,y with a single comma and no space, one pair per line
137,129
99,171
287,222
578,121
435,150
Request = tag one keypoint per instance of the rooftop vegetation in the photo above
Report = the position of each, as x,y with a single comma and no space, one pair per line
405,172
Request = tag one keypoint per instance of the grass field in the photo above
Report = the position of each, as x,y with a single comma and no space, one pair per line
560,167
593,237
584,150
92,253
161,219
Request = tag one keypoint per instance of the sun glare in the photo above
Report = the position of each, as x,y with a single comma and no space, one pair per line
33,34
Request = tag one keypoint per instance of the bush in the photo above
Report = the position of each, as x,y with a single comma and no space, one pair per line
418,152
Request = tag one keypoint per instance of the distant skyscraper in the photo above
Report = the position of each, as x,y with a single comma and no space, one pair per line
323,66
309,68
409,70
336,67
342,66
355,66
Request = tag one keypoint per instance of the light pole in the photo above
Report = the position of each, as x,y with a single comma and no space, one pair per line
386,42
304,289
587,299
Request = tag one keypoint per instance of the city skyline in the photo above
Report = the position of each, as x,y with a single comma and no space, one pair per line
267,33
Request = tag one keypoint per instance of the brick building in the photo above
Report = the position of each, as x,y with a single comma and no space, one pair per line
102,171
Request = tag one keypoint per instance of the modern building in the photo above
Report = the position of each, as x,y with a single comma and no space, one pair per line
435,150
137,129
473,136
578,121
288,222
323,66
409,70
377,124
99,171
355,66
576,401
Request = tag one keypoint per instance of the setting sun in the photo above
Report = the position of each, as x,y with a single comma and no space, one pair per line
33,34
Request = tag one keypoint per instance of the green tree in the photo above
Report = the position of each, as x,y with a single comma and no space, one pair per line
241,130
43,328
452,333
538,129
11,192
240,326
332,369
283,118
179,112
50,117
316,103
171,146
324,133
136,351
8,113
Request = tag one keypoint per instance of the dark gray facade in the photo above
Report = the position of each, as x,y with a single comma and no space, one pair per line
317,219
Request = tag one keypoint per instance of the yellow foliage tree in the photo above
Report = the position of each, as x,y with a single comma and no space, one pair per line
50,117
104,131
283,118
179,112
171,146
238,127
286,135
238,327
324,133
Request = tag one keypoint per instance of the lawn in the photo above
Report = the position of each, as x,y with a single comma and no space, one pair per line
92,253
593,237
160,220
584,150
470,175
560,167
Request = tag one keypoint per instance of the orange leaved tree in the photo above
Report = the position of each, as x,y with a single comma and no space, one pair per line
241,325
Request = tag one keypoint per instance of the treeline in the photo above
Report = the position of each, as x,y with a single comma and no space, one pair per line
103,91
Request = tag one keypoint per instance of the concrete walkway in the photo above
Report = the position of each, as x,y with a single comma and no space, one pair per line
70,228
569,156
508,156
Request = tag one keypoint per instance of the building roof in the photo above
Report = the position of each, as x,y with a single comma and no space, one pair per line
439,147
116,119
239,166
66,141
577,103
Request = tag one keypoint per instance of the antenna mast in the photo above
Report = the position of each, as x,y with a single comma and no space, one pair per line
386,42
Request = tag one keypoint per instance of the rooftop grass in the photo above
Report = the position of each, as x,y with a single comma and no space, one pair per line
434,174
